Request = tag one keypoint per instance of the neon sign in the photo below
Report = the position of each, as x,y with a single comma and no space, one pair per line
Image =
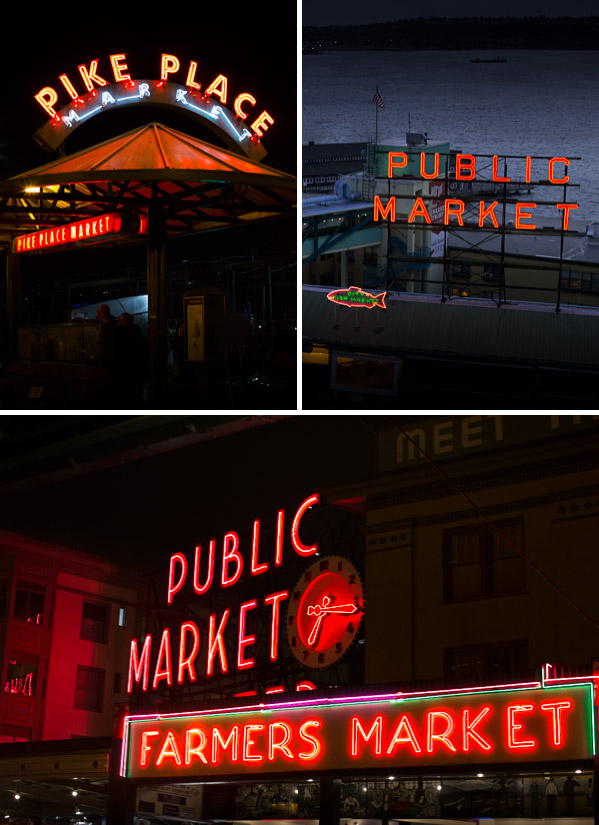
481,726
91,229
453,209
101,94
157,662
353,296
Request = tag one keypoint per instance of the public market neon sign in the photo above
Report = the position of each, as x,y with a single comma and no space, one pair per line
517,723
152,665
95,93
453,209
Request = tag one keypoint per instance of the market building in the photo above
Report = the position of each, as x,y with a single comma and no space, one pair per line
444,237
406,642
149,308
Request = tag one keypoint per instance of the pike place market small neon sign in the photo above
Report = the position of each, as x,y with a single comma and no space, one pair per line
90,229
95,92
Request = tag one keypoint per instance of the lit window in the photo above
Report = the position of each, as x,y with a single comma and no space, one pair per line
20,675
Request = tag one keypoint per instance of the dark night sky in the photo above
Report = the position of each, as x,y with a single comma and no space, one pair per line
349,12
138,511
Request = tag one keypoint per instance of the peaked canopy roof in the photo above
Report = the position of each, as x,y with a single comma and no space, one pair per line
200,186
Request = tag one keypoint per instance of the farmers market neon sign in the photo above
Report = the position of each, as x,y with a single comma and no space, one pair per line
94,92
454,208
507,724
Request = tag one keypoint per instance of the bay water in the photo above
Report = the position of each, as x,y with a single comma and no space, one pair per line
537,103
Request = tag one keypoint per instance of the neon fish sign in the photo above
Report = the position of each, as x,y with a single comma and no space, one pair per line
354,296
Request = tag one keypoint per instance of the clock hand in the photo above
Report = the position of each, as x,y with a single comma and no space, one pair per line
320,611
313,635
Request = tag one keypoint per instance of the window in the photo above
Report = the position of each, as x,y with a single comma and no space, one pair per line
94,622
89,688
497,661
29,604
478,562
21,674
570,278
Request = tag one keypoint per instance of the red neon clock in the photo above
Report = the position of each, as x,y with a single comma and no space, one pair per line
325,612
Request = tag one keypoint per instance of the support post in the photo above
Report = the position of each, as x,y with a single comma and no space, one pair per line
13,290
121,793
156,264
330,801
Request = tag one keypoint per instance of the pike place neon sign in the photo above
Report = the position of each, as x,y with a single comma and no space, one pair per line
506,724
101,227
96,92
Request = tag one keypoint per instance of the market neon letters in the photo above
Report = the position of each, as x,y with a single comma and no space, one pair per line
465,170
483,727
176,655
170,65
454,210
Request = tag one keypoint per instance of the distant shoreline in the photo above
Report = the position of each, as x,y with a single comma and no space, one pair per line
458,34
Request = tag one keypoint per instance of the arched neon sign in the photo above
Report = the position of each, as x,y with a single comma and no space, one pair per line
238,127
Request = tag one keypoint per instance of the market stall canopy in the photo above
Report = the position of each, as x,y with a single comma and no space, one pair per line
200,187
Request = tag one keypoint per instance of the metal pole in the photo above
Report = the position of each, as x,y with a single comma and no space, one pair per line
330,801
561,257
13,290
156,263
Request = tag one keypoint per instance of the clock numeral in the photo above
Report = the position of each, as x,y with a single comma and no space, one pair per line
296,596
294,641
305,655
350,627
352,579
290,620
339,566
324,565
308,577
338,647
320,658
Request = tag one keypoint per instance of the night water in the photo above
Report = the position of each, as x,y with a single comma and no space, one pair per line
539,103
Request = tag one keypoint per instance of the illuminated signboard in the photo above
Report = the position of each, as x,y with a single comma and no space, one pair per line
482,727
96,94
453,209
91,229
353,296
324,611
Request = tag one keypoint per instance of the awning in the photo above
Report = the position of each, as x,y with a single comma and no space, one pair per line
200,186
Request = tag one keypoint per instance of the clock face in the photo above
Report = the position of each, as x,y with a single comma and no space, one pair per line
325,612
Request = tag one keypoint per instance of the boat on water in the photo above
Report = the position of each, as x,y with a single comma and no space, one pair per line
488,60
